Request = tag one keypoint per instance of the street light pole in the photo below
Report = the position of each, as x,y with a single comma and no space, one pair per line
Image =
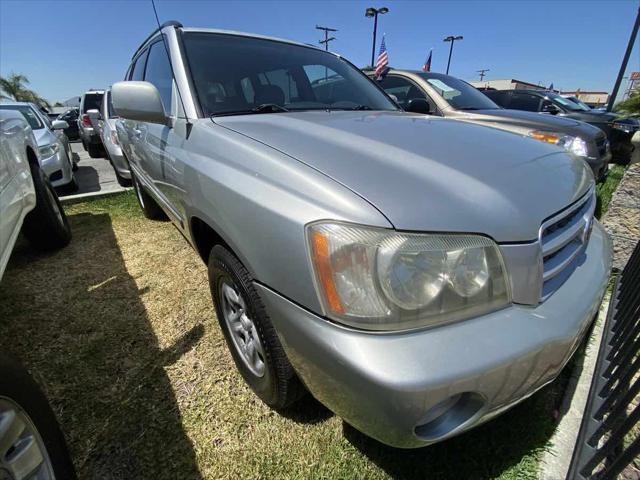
451,39
374,12
625,60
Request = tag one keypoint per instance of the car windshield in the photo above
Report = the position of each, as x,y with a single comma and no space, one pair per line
580,103
458,93
92,101
233,74
566,103
27,112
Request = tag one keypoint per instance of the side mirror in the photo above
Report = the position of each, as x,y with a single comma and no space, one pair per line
550,108
59,125
94,116
138,101
418,105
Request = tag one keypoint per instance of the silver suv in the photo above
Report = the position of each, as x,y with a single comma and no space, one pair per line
418,275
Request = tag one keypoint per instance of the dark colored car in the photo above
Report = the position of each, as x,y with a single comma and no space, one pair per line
450,97
619,130
71,117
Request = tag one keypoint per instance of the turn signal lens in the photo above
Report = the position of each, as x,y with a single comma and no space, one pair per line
546,137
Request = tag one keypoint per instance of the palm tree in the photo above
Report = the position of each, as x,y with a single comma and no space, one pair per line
14,87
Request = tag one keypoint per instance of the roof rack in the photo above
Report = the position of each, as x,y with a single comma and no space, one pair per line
170,23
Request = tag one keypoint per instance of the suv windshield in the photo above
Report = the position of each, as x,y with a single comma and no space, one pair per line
458,93
239,75
566,103
92,101
27,112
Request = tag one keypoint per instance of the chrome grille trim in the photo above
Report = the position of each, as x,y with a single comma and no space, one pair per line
563,238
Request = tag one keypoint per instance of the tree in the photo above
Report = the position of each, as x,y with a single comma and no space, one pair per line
14,87
630,105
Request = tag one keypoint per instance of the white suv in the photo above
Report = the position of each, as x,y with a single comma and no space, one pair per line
28,202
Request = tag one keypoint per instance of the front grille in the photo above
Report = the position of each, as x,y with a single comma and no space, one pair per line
563,238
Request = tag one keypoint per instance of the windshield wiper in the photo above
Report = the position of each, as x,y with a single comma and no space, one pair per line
269,108
360,107
264,108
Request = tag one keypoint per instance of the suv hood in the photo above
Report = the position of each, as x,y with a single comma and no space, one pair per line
524,122
429,174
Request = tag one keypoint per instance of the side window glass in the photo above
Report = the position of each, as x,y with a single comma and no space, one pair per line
524,101
137,73
158,72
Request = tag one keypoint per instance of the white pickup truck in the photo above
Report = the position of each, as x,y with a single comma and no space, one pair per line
28,202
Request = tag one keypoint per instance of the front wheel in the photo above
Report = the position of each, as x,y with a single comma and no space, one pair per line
249,333
31,443
94,151
46,226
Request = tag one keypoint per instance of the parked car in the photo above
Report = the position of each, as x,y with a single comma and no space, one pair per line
54,151
71,117
104,121
443,95
31,443
91,141
619,130
420,275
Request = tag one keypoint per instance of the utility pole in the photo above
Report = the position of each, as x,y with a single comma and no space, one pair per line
625,60
327,39
452,39
481,72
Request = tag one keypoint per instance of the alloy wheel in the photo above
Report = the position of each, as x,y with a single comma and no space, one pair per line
242,329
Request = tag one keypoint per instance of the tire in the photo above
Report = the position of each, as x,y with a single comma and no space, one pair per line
23,404
149,206
123,182
276,382
46,226
94,151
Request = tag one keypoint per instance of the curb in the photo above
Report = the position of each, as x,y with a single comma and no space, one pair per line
554,464
81,197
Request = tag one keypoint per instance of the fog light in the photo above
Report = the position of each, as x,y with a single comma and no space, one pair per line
449,415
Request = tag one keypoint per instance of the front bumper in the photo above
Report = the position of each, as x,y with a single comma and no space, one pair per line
118,161
415,388
57,169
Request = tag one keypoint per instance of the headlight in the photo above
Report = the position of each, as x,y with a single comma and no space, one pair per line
575,145
48,150
625,127
379,279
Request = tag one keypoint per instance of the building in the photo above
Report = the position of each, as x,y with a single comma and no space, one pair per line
593,99
507,84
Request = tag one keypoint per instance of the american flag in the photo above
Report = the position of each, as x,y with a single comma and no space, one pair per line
427,65
383,60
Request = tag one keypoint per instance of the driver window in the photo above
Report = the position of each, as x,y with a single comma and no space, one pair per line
404,90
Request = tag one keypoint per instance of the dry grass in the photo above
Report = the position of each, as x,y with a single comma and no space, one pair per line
120,330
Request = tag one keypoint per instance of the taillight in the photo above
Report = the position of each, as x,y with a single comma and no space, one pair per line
86,121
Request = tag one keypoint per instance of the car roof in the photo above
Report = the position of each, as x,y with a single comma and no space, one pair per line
236,33
413,72
17,104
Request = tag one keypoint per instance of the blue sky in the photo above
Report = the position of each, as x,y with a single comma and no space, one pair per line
66,47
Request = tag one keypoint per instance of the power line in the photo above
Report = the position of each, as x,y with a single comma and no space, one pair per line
481,72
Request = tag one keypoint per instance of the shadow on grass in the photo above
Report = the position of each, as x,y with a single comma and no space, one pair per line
77,320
